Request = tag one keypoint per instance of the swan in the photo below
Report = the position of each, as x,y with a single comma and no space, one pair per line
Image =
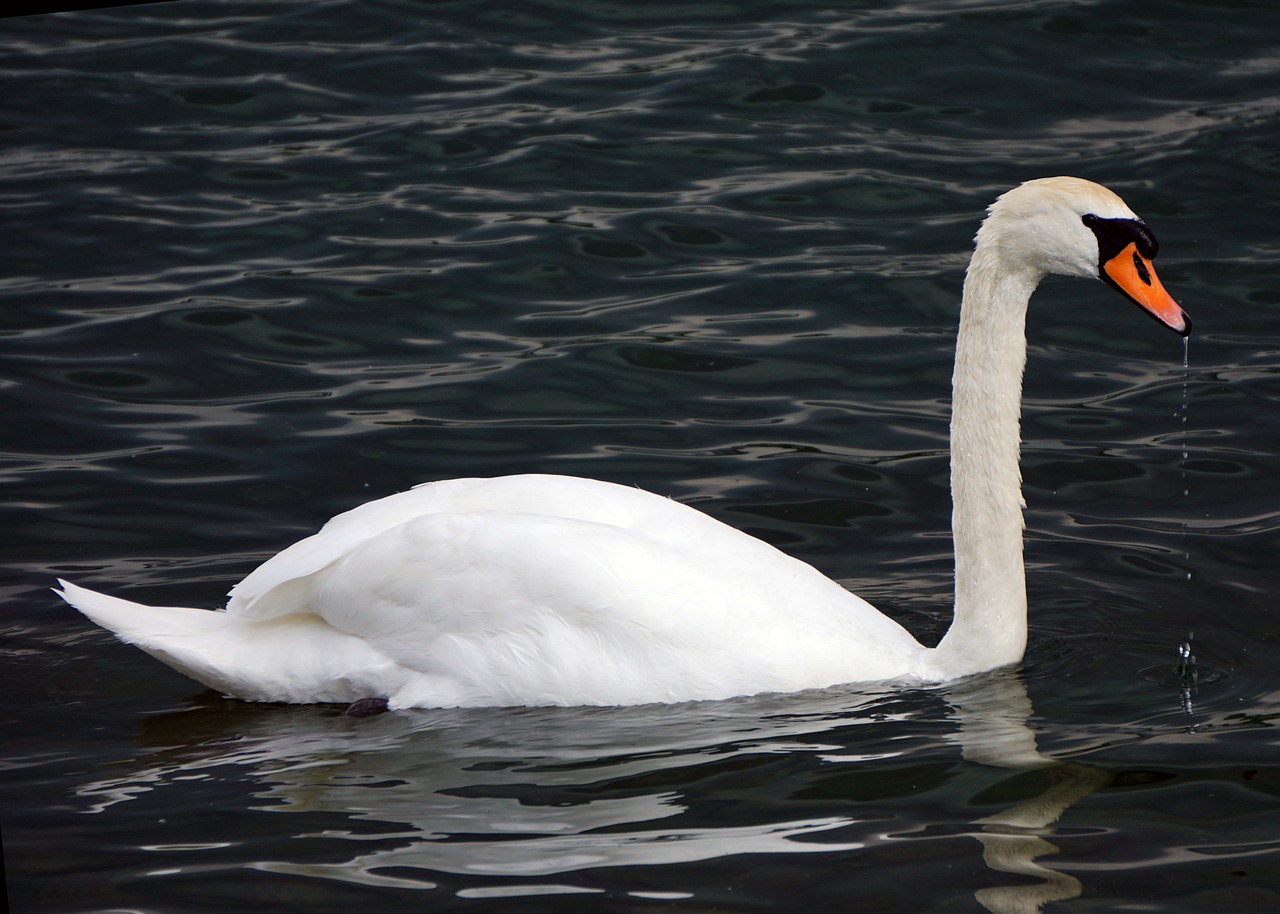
556,590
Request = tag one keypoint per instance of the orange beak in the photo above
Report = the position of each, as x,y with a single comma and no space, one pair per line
1134,275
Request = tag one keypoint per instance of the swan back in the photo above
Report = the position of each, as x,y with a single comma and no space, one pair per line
557,590
533,494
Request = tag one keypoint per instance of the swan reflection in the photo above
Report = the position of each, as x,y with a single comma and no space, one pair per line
527,801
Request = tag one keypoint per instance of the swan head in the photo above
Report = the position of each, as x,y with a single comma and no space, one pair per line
1075,227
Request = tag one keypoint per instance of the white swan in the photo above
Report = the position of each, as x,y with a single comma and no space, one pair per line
551,590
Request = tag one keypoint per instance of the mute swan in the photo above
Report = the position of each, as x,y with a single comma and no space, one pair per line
552,590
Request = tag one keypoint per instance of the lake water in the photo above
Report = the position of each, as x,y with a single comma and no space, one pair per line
264,261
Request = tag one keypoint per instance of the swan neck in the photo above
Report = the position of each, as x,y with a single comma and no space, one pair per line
989,628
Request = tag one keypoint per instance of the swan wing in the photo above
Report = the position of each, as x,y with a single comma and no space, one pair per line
493,608
549,589
268,590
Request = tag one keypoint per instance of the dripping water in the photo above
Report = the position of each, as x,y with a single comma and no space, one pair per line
1187,674
1186,489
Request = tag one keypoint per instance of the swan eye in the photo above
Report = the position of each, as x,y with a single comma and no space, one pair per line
1114,235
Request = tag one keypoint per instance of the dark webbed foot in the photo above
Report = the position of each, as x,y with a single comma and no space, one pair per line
366,707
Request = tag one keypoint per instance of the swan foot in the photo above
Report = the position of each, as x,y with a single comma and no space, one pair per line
366,707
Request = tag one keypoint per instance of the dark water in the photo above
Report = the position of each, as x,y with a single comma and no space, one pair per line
265,261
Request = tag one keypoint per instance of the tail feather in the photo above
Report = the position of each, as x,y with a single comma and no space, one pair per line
135,623
294,658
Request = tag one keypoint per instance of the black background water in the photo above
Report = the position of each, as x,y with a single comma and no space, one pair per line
265,261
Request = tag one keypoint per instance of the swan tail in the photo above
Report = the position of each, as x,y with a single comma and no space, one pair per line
295,658
136,623
183,638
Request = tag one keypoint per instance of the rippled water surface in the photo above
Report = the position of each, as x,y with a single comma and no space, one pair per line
264,261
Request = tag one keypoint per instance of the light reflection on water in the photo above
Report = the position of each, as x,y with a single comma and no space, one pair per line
527,794
527,802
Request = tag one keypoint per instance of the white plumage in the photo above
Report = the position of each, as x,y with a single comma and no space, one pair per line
537,590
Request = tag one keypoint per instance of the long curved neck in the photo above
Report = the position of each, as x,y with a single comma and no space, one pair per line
990,624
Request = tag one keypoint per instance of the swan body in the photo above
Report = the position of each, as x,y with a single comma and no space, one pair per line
553,590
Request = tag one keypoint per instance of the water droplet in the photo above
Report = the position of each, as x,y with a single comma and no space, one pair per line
1186,488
